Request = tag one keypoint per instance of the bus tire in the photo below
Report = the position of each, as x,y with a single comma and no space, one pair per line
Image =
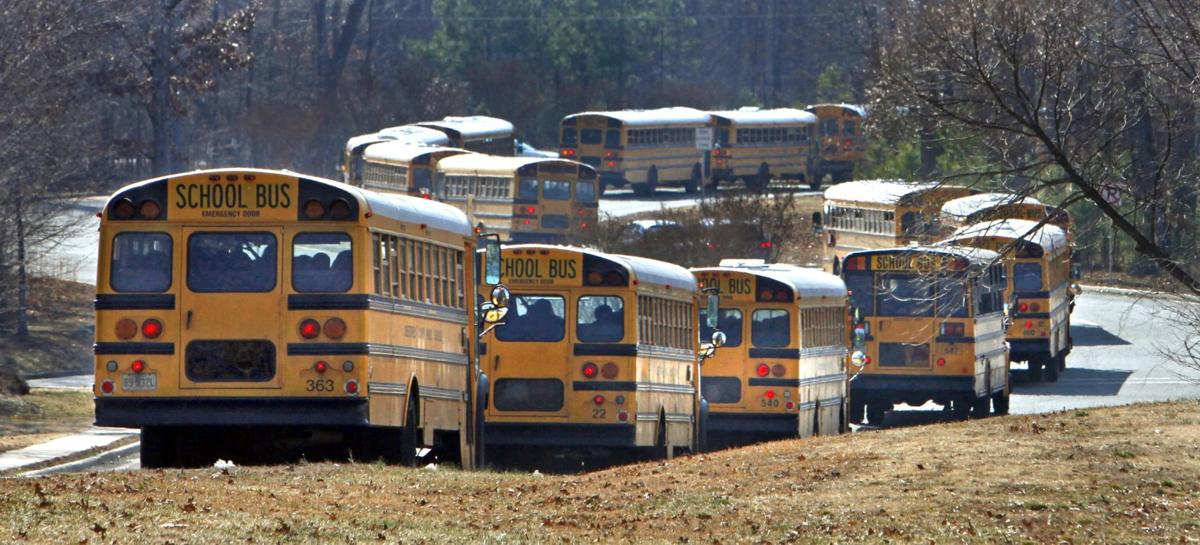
814,184
1000,401
702,432
1062,360
761,180
407,456
856,413
693,184
875,413
479,454
982,406
1050,367
647,189
961,406
1035,369
157,447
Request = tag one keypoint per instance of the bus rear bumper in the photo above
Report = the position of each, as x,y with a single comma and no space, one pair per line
912,389
518,237
560,435
135,412
1026,349
783,425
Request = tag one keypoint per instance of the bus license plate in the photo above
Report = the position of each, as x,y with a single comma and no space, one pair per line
135,382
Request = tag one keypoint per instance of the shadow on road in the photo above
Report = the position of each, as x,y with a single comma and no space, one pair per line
1094,335
1074,382
914,417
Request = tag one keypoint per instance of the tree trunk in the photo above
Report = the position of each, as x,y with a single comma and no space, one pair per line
22,275
160,111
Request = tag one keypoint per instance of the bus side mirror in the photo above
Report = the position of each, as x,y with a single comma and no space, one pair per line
492,260
710,315
718,339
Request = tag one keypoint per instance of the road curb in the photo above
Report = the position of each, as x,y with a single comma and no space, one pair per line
79,465
1127,292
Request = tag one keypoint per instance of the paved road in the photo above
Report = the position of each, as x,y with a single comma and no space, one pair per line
73,382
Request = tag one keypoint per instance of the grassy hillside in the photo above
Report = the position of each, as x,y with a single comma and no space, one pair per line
1120,475
60,329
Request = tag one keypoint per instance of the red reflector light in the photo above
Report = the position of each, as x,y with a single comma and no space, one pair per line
151,328
126,328
309,329
941,362
1028,325
770,394
612,164
106,387
590,370
763,370
335,328
320,367
622,416
137,366
764,244
599,400
352,387
790,405
609,370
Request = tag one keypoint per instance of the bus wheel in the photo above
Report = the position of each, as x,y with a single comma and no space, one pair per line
647,189
814,183
856,413
408,435
1050,365
962,407
762,179
982,406
157,447
875,411
1062,360
693,183
1000,401
1035,369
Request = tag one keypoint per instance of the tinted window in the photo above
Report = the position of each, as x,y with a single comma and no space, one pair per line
590,136
829,127
539,394
601,319
568,137
585,192
141,262
861,294
528,189
533,318
904,295
422,178
847,128
951,298
555,221
555,190
322,262
721,389
1027,276
612,138
231,262
770,328
729,321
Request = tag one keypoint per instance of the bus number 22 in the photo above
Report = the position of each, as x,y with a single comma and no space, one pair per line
320,385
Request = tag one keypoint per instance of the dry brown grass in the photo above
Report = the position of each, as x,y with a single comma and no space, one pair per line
60,329
1121,475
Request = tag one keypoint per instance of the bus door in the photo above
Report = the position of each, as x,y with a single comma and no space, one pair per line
556,203
528,357
231,303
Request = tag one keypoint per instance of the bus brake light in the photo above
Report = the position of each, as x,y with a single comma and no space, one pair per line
770,394
152,328
309,328
590,370
137,366
1023,307
567,152
763,370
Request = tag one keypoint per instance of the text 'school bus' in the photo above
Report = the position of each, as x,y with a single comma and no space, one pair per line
642,148
841,141
523,199
1040,293
874,214
974,209
754,145
597,351
928,324
402,167
478,133
240,307
351,164
782,370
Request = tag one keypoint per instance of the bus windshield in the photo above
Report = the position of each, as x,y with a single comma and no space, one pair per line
534,318
141,262
231,262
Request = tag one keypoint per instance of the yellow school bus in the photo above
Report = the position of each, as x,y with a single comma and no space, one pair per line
239,308
644,149
478,133
973,209
523,199
782,370
871,214
597,351
755,145
928,325
351,163
841,141
403,167
1037,261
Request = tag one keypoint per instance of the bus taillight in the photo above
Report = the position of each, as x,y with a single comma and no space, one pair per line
1023,306
778,369
590,370
609,370
126,329
352,387
763,370
567,152
123,209
335,328
941,362
599,399
152,328
106,386
309,328
313,209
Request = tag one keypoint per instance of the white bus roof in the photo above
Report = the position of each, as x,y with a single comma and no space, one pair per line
416,135
775,116
661,116
805,282
1051,238
480,163
399,151
860,110
876,191
965,206
473,126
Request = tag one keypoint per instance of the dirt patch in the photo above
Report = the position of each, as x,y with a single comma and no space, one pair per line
1120,475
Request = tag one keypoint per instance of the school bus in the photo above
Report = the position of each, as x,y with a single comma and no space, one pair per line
842,141
782,370
402,167
478,133
753,145
1039,289
351,164
598,351
873,214
644,149
928,325
240,308
523,199
973,209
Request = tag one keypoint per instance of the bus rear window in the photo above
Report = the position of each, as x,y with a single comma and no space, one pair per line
568,137
601,319
141,262
905,295
770,328
534,318
585,192
1027,276
590,136
322,262
422,178
527,189
612,138
729,321
556,190
862,297
231,262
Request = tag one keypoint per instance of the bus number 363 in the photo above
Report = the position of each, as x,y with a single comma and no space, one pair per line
320,385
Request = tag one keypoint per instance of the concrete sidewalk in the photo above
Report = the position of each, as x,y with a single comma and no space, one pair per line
62,447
